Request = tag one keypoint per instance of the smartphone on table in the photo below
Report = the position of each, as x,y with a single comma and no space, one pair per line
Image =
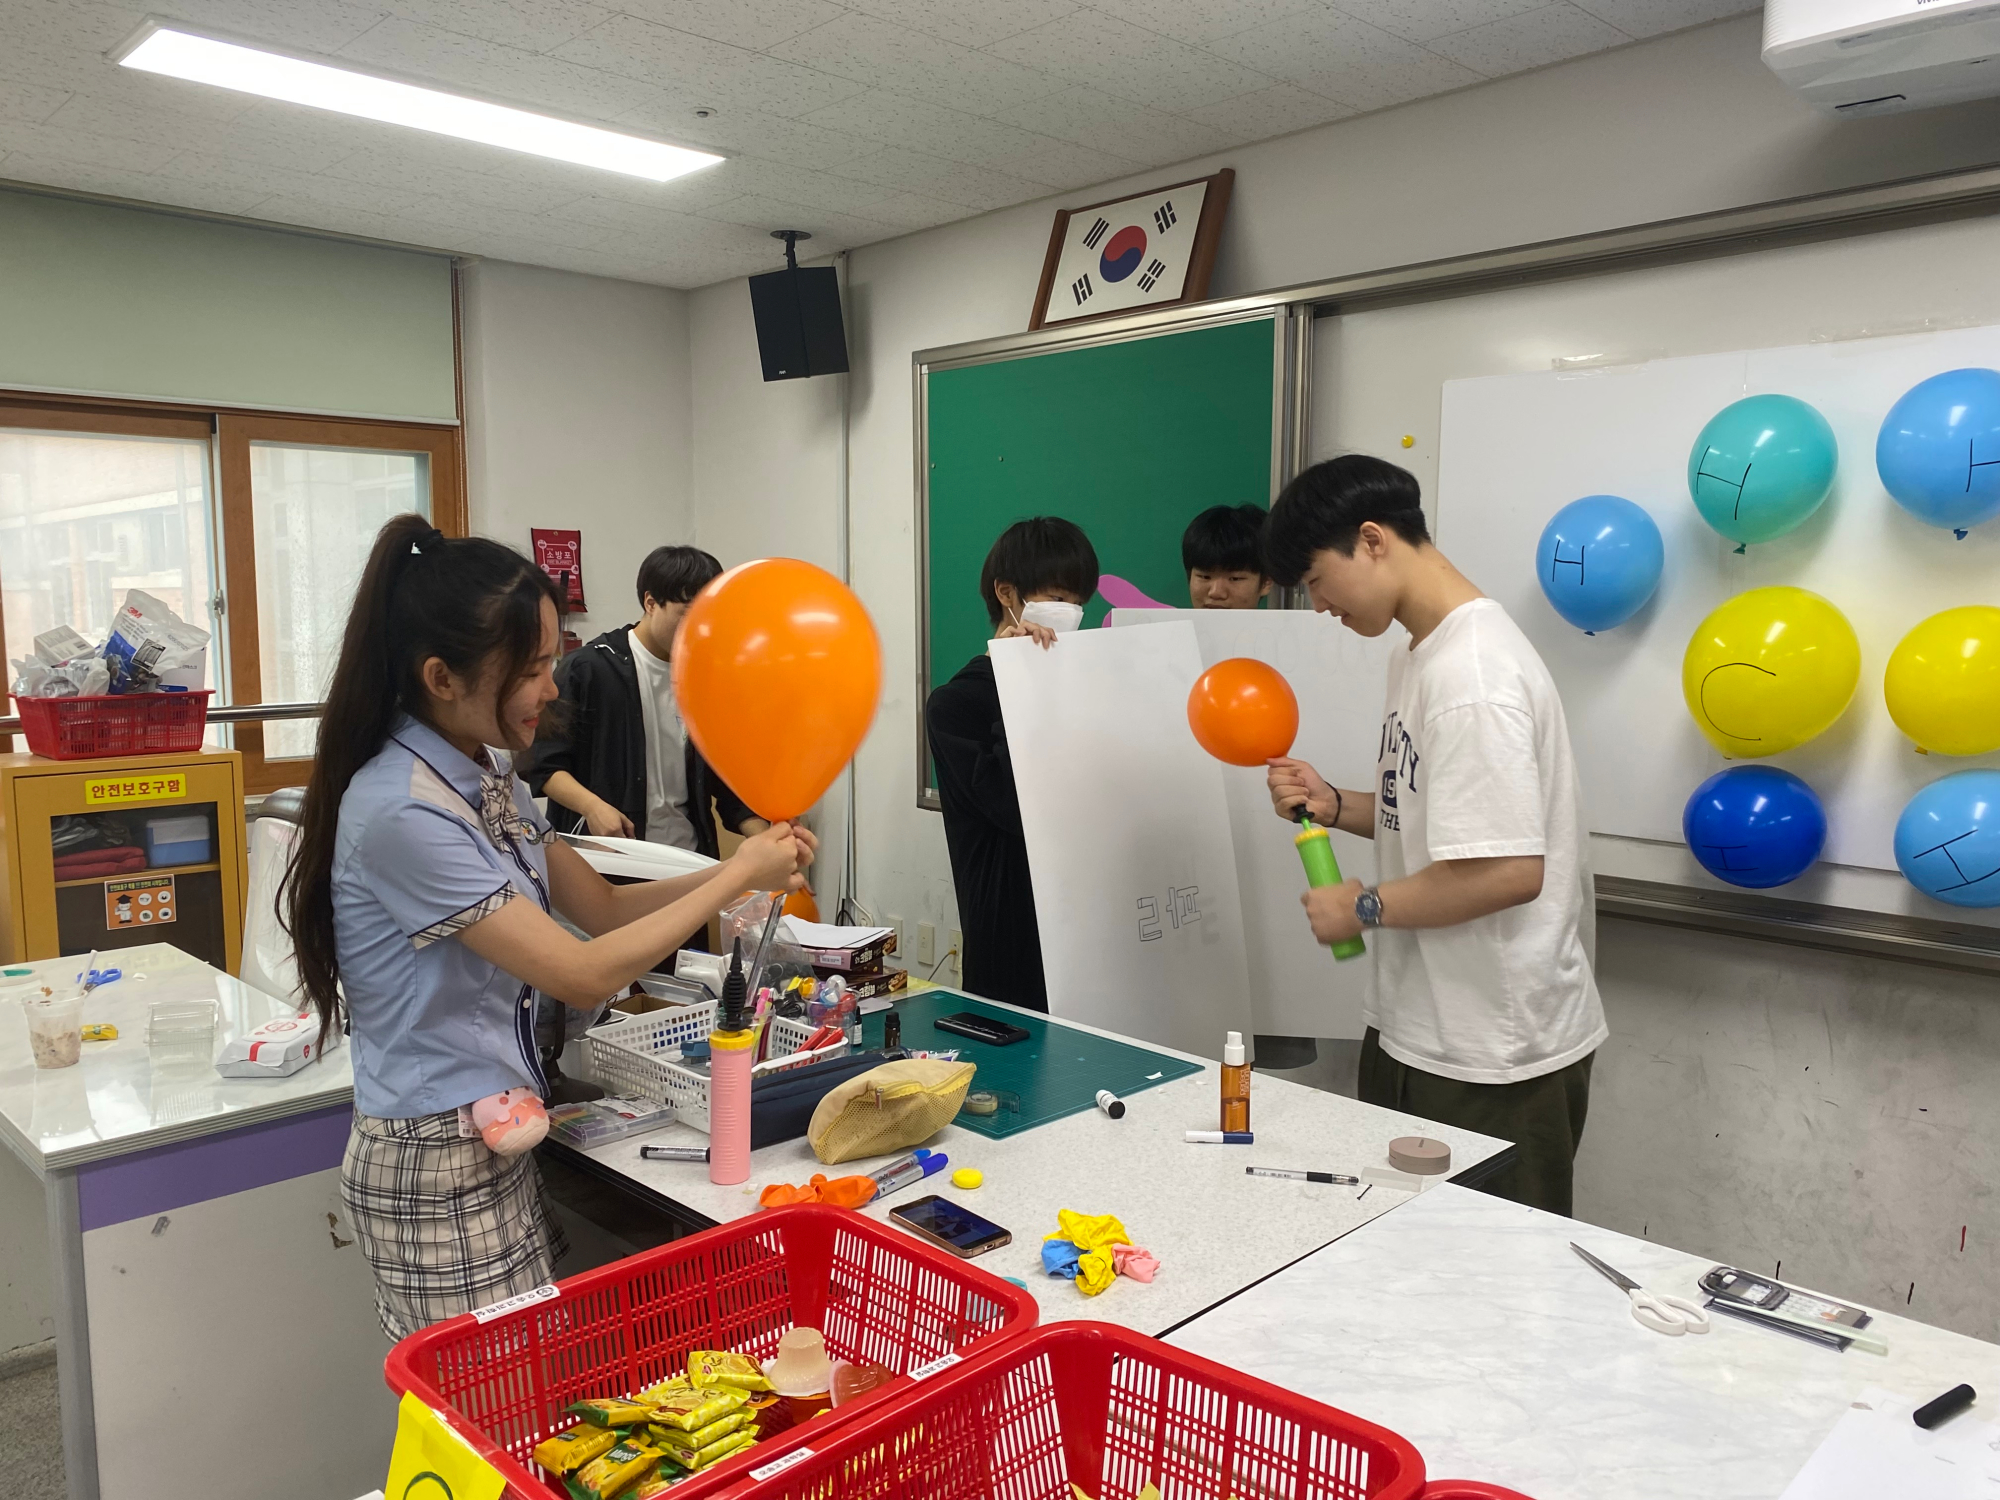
950,1227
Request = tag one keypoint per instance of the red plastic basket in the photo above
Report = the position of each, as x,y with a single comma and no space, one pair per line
874,1292
1468,1489
115,724
1099,1407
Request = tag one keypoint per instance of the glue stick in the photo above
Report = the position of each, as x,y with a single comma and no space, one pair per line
1316,854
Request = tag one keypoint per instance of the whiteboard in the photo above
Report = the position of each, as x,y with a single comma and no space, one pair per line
1341,679
1830,313
1128,836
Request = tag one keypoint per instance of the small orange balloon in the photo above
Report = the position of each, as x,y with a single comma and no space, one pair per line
777,672
801,904
1243,712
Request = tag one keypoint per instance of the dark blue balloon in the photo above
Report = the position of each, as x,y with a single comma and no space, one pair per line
1948,839
1599,561
1938,453
1754,826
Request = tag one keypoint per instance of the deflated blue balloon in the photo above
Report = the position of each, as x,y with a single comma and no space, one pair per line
1599,561
1754,826
1938,452
1948,839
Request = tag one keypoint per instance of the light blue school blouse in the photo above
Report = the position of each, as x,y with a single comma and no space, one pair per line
433,1025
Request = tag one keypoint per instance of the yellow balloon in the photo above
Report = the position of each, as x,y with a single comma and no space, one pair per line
1768,670
1943,682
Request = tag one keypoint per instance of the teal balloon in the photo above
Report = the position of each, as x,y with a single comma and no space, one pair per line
1761,466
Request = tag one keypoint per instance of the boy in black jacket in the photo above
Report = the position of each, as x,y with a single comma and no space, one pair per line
616,759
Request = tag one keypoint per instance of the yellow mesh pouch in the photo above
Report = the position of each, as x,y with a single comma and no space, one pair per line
890,1108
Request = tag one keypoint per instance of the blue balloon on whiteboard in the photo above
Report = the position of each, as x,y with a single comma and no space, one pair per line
1599,561
1938,452
1761,466
1754,826
1948,839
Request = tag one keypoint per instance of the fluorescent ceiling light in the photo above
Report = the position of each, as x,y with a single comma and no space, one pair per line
161,48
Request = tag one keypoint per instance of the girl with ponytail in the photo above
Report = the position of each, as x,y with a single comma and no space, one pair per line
422,899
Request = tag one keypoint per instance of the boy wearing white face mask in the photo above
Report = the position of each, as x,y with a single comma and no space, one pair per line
1035,582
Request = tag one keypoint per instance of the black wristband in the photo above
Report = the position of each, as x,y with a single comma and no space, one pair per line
1339,804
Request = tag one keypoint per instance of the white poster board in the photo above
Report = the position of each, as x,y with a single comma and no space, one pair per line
1296,987
1516,448
1128,836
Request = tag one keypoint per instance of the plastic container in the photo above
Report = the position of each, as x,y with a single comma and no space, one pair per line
624,1055
181,1031
875,1293
1468,1489
1098,1407
1235,1084
55,1027
179,840
115,724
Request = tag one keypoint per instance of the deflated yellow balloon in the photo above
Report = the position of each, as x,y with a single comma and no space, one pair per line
1943,682
1768,670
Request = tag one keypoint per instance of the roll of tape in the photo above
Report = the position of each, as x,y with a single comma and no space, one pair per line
1419,1154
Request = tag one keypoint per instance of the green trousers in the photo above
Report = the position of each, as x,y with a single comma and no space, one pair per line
1542,1116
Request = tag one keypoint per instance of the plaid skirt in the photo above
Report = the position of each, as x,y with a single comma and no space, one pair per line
447,1226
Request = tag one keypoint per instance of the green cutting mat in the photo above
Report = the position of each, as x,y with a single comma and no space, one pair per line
1056,1072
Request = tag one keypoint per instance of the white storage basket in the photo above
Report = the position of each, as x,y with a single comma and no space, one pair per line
626,1055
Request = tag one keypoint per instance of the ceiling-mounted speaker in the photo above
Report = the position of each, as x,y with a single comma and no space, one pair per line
799,329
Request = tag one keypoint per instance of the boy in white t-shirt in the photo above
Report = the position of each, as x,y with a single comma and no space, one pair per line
1486,1012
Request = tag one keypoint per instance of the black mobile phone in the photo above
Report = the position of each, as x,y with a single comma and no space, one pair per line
981,1028
949,1227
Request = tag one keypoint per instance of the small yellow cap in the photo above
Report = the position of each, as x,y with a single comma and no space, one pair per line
967,1177
1409,440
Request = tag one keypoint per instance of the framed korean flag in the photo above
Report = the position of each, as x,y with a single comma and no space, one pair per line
1150,250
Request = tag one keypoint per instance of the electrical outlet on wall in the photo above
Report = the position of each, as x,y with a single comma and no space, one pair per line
926,944
957,965
895,924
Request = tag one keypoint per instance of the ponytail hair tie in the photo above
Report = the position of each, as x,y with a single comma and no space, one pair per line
422,545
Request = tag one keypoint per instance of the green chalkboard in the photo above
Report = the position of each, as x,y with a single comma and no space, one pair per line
1129,440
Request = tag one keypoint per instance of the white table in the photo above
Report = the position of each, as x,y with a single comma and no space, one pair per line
201,1258
1214,1229
1466,1324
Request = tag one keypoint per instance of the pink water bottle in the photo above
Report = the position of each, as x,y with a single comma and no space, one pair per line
731,1049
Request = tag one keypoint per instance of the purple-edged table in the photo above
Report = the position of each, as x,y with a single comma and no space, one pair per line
202,1265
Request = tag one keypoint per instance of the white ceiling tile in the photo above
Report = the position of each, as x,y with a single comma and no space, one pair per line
84,147
1420,20
60,45
1200,23
532,25
319,26
1104,52
417,172
902,170
968,25
1277,110
29,101
892,119
829,228
309,213
1532,40
750,133
755,24
508,74
701,71
1062,164
884,55
140,187
1345,60
308,144
272,181
1658,17
907,211
1089,117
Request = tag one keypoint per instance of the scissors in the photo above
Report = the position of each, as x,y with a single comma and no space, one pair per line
1662,1314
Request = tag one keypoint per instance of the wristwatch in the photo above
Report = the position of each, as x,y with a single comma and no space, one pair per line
1368,907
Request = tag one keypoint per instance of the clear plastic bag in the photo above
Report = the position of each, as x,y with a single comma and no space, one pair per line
785,960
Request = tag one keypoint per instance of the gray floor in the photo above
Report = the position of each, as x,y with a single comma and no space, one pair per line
31,1433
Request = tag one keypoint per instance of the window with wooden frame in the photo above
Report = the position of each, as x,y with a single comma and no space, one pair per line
251,525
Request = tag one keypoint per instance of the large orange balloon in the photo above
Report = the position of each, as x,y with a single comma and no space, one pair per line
777,671
1243,712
